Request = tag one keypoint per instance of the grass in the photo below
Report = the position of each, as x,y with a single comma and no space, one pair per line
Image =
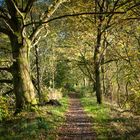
108,123
42,124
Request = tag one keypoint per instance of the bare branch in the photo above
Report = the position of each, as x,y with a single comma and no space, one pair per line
17,9
36,42
39,38
44,19
52,9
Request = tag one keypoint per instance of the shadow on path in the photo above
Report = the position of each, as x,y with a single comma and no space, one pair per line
78,125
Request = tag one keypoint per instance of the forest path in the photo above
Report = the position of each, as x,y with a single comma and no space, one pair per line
78,126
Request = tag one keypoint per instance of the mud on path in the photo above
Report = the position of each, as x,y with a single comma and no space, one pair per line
78,126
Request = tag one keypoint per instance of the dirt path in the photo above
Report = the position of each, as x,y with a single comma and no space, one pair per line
78,125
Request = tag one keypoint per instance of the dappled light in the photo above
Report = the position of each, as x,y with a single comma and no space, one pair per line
69,69
77,125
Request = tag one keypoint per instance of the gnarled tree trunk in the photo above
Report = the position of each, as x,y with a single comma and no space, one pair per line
15,18
23,86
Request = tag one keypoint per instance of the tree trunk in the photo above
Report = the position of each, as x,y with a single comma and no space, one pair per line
23,86
97,66
38,72
98,84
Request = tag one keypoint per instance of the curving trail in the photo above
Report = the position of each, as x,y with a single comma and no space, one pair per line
78,125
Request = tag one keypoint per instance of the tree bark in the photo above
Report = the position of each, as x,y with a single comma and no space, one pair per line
23,86
98,83
97,60
97,66
38,72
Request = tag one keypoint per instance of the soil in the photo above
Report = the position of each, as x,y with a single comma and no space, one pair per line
78,126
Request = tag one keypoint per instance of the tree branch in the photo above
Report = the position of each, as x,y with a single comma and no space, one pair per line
108,61
44,19
89,70
29,5
17,9
74,15
121,3
51,11
4,12
11,8
5,69
7,92
135,5
2,17
6,81
83,71
5,31
134,18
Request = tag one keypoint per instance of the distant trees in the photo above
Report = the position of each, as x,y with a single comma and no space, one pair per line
105,28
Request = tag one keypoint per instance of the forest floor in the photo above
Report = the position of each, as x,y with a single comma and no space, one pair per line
78,125
76,119
40,124
110,123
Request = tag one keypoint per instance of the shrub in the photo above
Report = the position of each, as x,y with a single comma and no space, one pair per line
3,108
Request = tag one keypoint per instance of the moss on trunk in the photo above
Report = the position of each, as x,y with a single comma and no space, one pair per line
23,86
